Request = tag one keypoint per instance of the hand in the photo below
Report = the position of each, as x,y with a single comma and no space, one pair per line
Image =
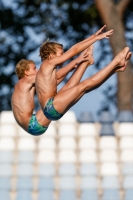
84,56
105,35
100,31
100,35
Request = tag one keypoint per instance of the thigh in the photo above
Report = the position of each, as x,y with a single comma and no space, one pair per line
67,98
65,87
70,84
42,120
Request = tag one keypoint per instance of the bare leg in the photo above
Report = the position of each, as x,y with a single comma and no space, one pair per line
64,100
41,118
77,75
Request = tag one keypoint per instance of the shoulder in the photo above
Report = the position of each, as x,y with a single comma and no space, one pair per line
28,79
25,81
20,84
47,63
44,63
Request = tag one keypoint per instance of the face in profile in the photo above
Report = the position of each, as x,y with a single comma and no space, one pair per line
32,69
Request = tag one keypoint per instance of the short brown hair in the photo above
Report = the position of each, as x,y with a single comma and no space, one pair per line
21,66
47,48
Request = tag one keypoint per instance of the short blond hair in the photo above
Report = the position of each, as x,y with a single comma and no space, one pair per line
47,48
21,66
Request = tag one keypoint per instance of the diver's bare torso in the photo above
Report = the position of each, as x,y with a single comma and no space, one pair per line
23,102
46,83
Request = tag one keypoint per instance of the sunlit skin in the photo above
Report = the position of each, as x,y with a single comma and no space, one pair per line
24,91
46,79
23,99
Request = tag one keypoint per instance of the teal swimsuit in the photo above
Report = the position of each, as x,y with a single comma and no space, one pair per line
35,128
50,112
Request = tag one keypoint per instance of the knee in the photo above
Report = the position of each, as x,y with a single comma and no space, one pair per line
88,85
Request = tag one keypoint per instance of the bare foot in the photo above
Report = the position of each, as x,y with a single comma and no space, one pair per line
91,58
122,59
122,69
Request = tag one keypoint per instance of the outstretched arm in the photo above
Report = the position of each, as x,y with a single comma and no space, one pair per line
77,48
62,73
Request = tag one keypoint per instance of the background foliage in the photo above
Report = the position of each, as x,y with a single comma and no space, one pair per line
25,24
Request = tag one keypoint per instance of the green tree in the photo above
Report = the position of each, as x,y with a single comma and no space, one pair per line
70,21
113,16
20,21
117,15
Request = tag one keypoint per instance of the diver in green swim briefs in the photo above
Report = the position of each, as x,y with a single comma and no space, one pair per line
23,100
23,95
54,104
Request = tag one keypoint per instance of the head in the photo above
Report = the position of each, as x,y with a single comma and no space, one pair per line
49,50
25,68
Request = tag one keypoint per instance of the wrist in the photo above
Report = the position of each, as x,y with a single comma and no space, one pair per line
94,35
97,37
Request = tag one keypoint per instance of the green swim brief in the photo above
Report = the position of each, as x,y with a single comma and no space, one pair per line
50,112
35,128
